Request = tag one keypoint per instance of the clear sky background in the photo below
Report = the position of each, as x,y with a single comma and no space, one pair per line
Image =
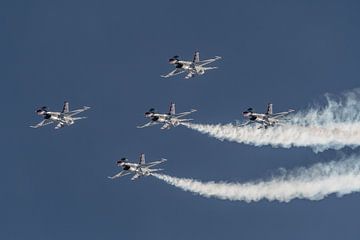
109,55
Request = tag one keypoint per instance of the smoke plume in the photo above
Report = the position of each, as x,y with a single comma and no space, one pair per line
334,125
314,183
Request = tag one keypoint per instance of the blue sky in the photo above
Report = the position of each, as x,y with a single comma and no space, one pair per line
109,55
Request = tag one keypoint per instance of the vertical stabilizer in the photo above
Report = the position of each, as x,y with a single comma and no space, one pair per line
269,110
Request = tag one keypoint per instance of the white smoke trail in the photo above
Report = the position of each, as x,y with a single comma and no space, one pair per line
314,183
331,127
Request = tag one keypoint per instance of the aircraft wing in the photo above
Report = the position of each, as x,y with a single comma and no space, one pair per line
43,123
281,114
77,111
173,73
183,114
208,61
184,120
154,163
147,124
78,118
120,174
246,123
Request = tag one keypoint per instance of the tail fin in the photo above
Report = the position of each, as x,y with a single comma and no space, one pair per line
172,109
269,110
65,107
142,159
196,57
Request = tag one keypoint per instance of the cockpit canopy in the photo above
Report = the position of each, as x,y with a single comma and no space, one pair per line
174,59
150,112
248,112
41,110
122,160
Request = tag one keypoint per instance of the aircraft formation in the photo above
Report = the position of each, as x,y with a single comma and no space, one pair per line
168,120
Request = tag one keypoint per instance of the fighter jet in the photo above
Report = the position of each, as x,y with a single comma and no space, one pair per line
63,118
267,119
170,119
138,169
192,68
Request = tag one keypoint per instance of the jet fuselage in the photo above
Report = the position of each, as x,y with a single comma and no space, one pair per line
134,168
162,118
57,117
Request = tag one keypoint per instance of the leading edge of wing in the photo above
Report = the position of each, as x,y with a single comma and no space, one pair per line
154,163
149,124
183,114
173,73
120,174
42,123
77,111
208,61
282,114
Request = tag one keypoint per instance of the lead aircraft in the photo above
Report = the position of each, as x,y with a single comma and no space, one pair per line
170,119
267,119
192,68
63,118
138,169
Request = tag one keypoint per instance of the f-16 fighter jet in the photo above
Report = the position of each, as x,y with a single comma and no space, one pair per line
138,169
267,119
63,118
170,119
192,68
